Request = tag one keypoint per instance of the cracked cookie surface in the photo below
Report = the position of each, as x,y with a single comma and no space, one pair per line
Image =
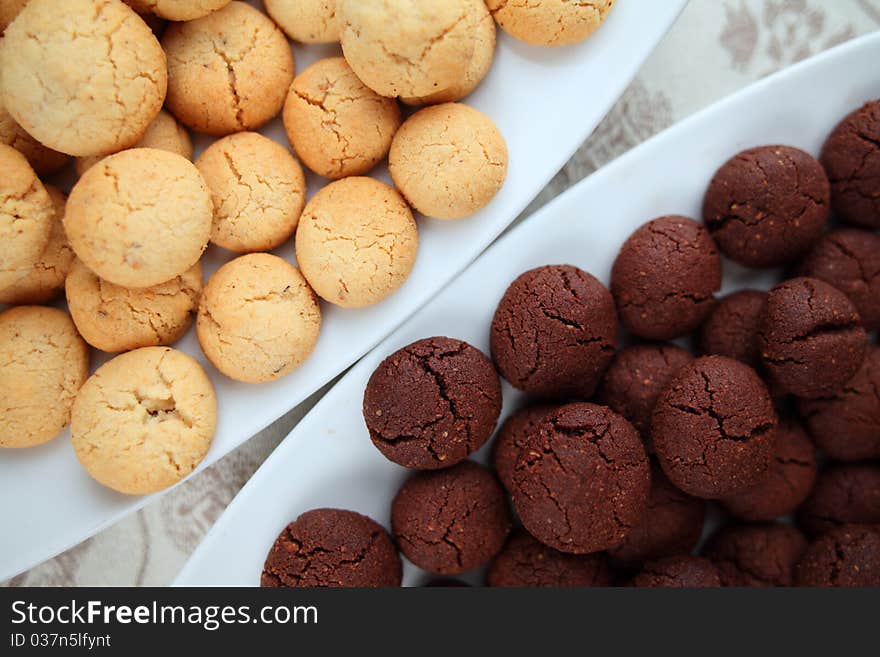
844,493
681,571
84,81
756,555
512,436
550,22
845,556
44,160
177,10
306,21
732,328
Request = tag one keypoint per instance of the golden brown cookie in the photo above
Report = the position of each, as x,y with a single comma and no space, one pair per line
356,242
85,80
114,318
140,217
306,21
549,22
46,277
228,71
26,216
338,126
177,10
407,47
144,420
258,190
43,160
258,319
464,153
43,362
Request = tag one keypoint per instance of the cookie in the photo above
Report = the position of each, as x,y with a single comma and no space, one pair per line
140,217
756,555
338,126
163,133
228,71
664,278
463,150
114,318
851,157
258,319
554,332
811,339
525,562
732,328
44,160
332,547
682,571
846,556
432,403
258,189
306,21
84,81
449,521
356,242
385,41
43,363
849,259
177,10
844,493
512,436
26,217
46,277
581,482
144,420
714,428
550,22
767,206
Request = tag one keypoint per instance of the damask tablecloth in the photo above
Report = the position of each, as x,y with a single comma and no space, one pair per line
715,48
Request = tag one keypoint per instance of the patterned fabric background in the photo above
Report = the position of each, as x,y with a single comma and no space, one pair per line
715,48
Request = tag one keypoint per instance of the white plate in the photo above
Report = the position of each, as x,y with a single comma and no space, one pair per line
545,102
328,460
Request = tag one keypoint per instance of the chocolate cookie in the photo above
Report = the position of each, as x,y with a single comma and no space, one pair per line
511,437
665,277
714,428
554,332
451,520
787,483
732,328
849,259
683,571
843,494
851,157
846,424
811,339
524,561
581,482
845,556
756,555
432,403
672,524
332,547
636,377
767,206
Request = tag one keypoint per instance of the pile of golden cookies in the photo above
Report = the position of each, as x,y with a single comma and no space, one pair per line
90,79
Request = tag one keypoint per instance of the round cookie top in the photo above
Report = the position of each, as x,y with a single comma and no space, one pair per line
258,319
228,71
554,332
338,126
768,205
714,428
140,217
356,242
849,259
177,10
512,436
258,189
811,339
550,22
432,403
526,562
43,363
84,81
44,160
452,520
664,278
845,556
144,420
332,547
385,41
756,555
114,318
462,149
732,328
565,471
681,571
844,493
306,21
851,157
26,217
